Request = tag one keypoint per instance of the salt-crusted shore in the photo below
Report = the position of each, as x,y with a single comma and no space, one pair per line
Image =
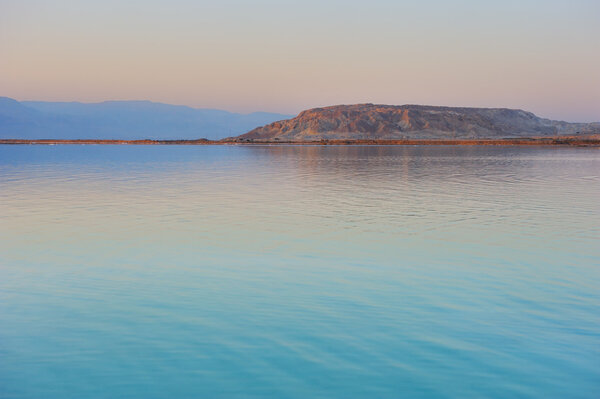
592,141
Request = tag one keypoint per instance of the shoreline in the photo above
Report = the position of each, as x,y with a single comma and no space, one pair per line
555,141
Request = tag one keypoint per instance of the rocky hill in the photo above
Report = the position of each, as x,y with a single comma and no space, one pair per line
398,122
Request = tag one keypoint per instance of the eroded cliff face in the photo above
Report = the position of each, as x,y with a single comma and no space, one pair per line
391,122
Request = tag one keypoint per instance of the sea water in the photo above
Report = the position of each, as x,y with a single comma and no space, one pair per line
299,272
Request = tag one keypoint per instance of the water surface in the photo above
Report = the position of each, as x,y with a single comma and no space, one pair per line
299,271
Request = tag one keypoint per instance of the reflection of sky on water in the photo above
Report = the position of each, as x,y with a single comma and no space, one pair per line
299,271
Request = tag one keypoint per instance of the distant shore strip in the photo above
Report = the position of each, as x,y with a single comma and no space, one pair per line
565,141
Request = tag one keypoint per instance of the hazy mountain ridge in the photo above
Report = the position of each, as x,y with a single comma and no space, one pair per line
122,120
397,122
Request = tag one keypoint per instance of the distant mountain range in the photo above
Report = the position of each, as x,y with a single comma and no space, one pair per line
132,120
400,122
125,120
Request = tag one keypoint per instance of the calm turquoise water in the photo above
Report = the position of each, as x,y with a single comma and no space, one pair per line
299,272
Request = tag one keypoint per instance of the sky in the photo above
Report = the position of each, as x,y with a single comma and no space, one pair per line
286,56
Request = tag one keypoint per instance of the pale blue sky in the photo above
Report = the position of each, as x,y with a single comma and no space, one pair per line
542,56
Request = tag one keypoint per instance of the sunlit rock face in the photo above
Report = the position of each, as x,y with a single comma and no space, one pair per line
396,122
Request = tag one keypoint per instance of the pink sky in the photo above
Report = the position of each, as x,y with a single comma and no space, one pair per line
542,56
